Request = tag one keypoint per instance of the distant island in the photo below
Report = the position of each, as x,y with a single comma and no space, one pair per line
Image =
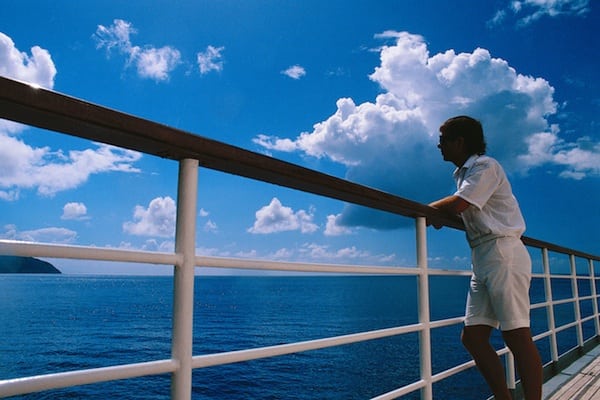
25,265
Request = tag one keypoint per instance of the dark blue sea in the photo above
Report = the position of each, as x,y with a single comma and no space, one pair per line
54,323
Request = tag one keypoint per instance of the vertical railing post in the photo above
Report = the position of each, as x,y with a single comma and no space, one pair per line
424,317
511,377
594,295
183,296
576,306
550,305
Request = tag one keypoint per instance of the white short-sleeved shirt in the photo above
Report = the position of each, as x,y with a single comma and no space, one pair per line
481,181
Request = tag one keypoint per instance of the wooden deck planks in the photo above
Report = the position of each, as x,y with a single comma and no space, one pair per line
585,385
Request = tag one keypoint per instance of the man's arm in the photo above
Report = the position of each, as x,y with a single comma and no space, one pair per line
452,205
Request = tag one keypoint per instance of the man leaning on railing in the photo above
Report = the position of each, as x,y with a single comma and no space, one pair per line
499,290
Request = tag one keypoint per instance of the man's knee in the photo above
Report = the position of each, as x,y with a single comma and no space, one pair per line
519,340
476,336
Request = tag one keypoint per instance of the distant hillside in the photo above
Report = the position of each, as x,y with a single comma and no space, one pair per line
25,265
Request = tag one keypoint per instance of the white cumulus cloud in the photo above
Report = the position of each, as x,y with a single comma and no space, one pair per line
37,69
390,143
277,218
158,219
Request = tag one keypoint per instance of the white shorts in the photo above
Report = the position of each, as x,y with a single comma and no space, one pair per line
499,290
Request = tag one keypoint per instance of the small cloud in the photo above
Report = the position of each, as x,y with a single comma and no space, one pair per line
203,213
210,226
529,11
157,63
157,220
210,60
389,34
43,235
74,211
294,72
323,253
153,63
273,143
497,19
277,218
116,36
166,246
9,195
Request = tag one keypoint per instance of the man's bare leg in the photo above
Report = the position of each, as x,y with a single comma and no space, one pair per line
527,358
476,340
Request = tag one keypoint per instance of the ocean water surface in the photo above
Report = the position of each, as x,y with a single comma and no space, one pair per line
59,323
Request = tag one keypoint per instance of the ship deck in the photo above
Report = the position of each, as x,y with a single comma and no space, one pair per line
581,380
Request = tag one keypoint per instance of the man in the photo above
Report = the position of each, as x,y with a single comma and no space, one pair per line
499,289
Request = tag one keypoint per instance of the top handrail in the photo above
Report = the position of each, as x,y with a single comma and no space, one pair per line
47,109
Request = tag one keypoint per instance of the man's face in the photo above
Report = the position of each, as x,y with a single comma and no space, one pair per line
451,148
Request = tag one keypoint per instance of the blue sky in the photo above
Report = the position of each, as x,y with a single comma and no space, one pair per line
355,89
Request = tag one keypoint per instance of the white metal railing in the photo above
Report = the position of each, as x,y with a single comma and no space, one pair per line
40,104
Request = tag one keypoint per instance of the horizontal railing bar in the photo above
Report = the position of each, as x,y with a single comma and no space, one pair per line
446,272
564,301
229,357
562,276
542,335
588,318
29,249
12,387
446,322
588,297
452,371
566,326
540,305
540,244
394,394
239,263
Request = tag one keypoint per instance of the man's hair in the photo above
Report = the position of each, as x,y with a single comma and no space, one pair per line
468,128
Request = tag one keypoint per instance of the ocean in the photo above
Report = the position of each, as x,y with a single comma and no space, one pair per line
54,323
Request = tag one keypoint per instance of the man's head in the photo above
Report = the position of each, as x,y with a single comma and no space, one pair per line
460,138
469,129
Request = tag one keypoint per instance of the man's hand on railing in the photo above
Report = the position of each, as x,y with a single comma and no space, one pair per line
447,209
435,223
